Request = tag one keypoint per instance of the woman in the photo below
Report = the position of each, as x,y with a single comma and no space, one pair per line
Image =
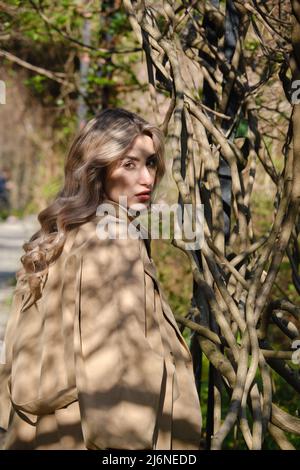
94,358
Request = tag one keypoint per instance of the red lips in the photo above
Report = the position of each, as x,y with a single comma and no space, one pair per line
144,193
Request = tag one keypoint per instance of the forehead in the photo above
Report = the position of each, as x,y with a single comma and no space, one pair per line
142,146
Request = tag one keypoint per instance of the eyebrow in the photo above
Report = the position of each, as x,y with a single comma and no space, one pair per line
137,159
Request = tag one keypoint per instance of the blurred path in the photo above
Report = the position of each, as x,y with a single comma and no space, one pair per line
13,233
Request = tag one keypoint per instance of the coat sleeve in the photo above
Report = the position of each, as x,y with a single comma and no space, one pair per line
119,376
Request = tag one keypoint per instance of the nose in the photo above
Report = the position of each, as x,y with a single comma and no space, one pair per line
146,176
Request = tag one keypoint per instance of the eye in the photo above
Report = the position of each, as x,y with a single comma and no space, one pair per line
129,165
152,162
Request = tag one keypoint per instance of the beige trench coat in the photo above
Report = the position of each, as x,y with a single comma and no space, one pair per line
98,362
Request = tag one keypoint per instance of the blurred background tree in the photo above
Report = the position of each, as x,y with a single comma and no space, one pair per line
64,61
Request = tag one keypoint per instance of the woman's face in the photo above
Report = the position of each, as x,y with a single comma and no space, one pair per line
133,174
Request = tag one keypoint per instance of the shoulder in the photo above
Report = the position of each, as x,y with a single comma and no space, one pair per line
116,260
108,238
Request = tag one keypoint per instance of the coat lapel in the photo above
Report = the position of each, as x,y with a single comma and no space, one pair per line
150,269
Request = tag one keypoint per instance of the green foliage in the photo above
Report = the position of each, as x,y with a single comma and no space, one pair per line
161,21
174,273
31,208
118,23
49,34
242,128
252,45
50,189
36,83
66,129
4,213
100,81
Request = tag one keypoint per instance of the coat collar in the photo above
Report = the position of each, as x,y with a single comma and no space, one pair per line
115,209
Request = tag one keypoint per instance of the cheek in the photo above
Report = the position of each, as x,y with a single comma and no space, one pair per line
122,180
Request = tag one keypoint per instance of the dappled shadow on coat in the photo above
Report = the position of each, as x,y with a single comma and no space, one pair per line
93,333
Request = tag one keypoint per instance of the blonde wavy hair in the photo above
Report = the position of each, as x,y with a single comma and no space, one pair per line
96,147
